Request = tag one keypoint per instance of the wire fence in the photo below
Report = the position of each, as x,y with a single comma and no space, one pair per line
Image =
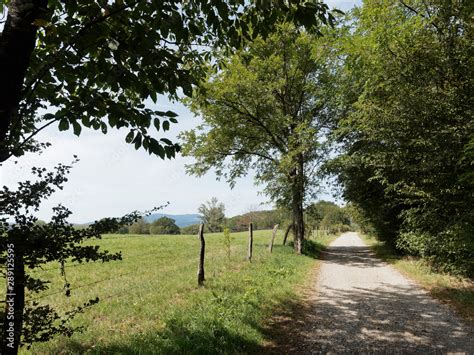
127,260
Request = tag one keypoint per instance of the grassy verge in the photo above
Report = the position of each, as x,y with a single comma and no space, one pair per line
150,301
458,292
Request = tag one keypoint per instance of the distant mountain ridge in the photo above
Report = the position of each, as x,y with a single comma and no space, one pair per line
181,220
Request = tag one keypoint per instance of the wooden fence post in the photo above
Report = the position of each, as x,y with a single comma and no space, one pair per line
286,233
200,273
273,237
250,241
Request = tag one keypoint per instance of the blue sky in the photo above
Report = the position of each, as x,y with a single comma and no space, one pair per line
112,178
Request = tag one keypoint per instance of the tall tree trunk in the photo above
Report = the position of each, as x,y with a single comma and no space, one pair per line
297,205
298,222
17,42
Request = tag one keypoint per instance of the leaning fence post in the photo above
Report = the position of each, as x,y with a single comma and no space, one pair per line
200,273
273,237
250,241
287,232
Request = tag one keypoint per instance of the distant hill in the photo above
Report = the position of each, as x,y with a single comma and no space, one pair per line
182,220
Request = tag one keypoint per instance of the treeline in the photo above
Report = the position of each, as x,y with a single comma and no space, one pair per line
163,225
407,83
322,215
166,225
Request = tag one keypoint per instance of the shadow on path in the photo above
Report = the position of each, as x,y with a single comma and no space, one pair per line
362,305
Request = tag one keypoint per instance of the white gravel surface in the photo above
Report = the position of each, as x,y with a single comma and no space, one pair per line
364,305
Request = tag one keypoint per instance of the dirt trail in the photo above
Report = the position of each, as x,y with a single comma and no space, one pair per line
361,304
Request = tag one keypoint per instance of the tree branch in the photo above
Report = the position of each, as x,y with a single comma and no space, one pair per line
253,119
246,152
30,137
416,12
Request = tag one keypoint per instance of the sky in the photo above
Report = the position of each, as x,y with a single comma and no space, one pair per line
112,178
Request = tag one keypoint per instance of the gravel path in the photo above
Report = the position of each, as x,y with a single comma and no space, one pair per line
362,304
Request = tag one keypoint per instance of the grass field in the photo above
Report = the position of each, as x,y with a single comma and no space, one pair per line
459,292
150,301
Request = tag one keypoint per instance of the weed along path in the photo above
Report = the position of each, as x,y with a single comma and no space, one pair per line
361,304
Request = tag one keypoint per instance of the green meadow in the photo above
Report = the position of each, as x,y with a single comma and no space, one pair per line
150,301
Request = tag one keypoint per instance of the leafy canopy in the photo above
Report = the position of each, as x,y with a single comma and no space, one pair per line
267,110
100,64
408,135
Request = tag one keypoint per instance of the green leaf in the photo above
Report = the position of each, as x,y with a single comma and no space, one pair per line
129,137
157,148
166,125
167,141
153,96
63,124
154,146
171,114
161,151
103,127
48,117
169,151
77,128
138,141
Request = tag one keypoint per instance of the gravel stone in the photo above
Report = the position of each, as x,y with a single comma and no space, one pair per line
362,304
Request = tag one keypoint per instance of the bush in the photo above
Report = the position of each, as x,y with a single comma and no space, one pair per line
448,251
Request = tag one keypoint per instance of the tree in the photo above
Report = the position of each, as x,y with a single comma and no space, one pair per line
94,63
164,225
212,215
267,110
409,74
26,245
139,227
